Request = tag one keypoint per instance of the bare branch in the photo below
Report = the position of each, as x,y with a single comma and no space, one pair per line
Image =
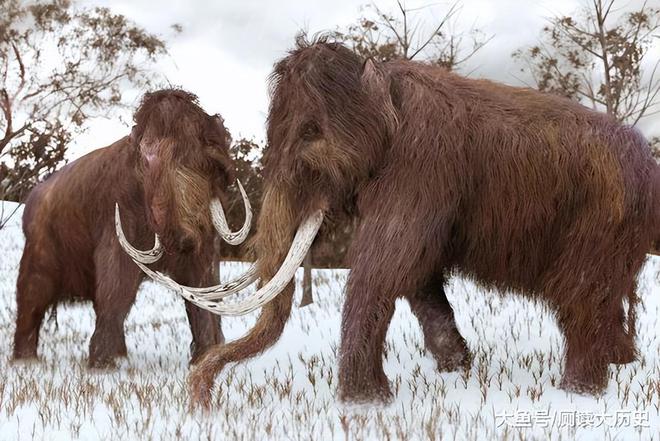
5,104
562,27
437,29
4,219
652,93
21,71
475,48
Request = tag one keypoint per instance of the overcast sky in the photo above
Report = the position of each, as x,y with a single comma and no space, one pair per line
227,48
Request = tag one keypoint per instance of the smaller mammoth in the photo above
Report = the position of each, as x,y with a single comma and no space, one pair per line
165,176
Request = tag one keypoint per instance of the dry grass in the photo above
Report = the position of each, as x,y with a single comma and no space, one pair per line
289,392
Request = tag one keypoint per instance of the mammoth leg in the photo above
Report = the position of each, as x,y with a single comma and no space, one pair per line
621,336
379,275
587,284
586,363
117,282
622,327
441,336
584,315
613,340
366,316
206,330
205,326
622,344
36,291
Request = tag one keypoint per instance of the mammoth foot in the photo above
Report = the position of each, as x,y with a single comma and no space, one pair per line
622,354
622,349
104,351
105,360
365,390
23,354
25,345
585,381
457,361
102,363
450,352
382,395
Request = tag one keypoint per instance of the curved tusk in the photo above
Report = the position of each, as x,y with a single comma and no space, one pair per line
220,221
299,248
224,289
210,293
147,257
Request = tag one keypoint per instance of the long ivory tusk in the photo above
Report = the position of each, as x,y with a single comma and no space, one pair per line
299,248
233,286
220,221
147,257
209,293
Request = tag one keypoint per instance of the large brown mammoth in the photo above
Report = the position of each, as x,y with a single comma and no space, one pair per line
516,189
164,176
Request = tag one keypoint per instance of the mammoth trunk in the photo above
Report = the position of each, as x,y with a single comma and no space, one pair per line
275,231
179,207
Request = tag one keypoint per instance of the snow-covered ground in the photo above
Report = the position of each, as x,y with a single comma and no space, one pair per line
289,392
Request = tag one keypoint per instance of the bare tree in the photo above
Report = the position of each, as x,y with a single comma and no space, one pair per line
598,58
408,34
61,64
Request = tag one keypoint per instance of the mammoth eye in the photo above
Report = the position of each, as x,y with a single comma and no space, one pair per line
310,131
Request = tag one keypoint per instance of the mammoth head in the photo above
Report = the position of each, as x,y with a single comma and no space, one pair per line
183,158
329,123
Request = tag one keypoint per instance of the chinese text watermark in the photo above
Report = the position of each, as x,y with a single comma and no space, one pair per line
572,418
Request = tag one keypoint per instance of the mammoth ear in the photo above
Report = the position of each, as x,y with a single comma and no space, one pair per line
378,86
370,74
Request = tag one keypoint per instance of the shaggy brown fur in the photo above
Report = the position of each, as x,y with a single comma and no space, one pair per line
163,176
516,189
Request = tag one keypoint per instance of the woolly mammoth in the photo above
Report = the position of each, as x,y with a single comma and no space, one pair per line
164,176
513,188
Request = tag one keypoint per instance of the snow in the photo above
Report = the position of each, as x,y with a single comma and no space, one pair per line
289,392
